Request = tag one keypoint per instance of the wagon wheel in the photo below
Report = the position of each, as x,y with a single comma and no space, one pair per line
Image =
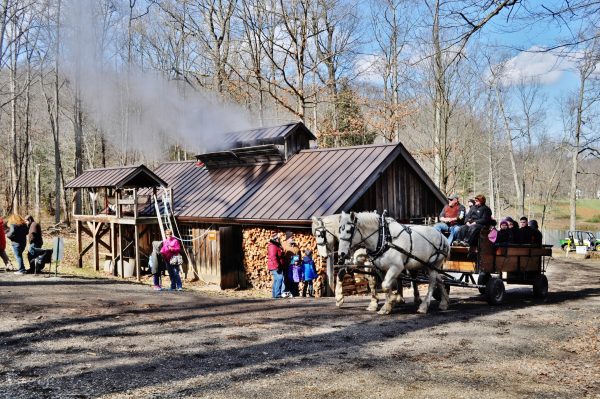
483,279
540,286
495,291
437,295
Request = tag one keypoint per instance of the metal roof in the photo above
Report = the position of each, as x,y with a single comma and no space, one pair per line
118,177
265,135
312,183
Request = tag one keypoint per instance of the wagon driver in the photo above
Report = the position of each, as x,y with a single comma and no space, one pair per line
451,217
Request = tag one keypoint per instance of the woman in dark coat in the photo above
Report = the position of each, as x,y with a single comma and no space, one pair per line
17,233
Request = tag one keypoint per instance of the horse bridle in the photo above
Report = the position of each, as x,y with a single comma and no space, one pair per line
321,233
353,231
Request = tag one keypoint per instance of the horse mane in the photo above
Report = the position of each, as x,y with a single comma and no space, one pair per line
368,219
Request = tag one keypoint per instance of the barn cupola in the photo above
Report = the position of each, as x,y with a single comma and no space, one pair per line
270,145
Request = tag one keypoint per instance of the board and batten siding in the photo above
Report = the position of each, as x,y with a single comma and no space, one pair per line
207,252
401,192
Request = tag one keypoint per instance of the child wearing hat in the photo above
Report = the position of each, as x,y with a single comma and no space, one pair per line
310,273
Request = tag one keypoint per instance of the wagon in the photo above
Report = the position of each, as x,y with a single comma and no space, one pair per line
494,266
497,265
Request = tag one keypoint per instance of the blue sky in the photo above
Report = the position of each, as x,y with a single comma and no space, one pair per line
528,41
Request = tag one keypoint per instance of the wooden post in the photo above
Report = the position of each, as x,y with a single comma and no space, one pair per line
96,226
135,208
118,210
137,251
120,239
113,248
78,232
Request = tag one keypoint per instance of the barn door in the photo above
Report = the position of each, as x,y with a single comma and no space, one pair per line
232,265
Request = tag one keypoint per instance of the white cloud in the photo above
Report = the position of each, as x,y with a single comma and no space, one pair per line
367,67
535,64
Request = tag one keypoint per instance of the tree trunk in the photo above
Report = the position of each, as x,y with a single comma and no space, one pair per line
57,160
575,156
511,154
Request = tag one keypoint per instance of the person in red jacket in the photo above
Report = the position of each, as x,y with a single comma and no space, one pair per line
3,246
275,265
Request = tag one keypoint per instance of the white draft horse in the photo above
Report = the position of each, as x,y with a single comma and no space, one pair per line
395,247
326,230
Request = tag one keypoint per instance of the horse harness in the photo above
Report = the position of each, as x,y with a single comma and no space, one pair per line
385,242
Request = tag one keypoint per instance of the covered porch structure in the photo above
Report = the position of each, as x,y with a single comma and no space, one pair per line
117,209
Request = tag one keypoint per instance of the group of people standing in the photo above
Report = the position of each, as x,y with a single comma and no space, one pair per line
464,225
20,232
289,267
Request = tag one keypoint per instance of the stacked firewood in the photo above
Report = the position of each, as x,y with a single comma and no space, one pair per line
255,253
354,285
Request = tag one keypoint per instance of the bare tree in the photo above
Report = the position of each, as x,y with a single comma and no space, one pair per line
584,100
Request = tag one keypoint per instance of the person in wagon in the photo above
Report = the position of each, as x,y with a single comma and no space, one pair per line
170,249
505,235
480,217
451,217
525,233
536,235
275,265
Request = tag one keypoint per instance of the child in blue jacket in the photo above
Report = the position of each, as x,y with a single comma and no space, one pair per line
310,273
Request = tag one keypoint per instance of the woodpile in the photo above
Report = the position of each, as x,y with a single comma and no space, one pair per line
355,285
255,254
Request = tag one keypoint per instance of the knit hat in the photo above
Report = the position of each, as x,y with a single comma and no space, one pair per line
533,224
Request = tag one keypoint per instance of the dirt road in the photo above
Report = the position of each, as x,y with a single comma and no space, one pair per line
80,338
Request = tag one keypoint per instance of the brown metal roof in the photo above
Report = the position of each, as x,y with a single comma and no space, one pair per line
265,135
119,177
312,183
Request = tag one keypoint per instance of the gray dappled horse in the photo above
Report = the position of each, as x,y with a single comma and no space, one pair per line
410,247
326,230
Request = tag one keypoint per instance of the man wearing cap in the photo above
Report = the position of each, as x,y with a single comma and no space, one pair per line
451,217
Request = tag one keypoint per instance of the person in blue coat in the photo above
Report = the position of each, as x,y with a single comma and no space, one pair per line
310,273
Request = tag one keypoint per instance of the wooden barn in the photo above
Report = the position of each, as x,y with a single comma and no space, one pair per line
227,203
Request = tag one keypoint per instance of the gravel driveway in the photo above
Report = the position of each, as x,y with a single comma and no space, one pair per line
81,338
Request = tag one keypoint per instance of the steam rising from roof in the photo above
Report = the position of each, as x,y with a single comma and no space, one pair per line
135,109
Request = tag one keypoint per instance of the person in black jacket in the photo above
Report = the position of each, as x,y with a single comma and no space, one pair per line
536,234
479,216
525,234
505,235
18,235
35,239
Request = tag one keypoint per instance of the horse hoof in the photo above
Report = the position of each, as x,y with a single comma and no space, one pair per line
422,310
443,306
372,307
339,303
385,310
